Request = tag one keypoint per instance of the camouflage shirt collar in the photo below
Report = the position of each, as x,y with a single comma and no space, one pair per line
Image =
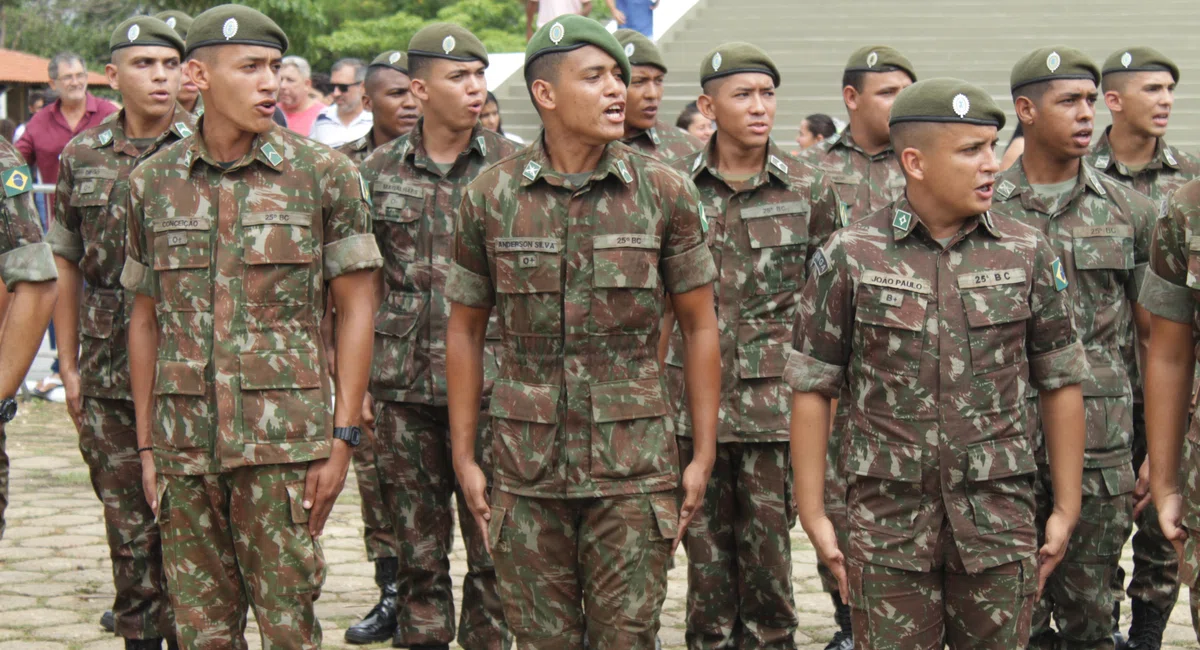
846,139
616,161
1015,184
776,164
905,220
651,134
266,148
114,132
414,150
1101,156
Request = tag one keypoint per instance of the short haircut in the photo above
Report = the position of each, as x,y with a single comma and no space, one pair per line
360,68
544,68
1034,92
711,86
686,116
821,124
373,73
61,59
915,135
854,78
299,64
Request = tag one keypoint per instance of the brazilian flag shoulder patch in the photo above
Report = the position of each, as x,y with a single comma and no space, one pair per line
1060,277
16,181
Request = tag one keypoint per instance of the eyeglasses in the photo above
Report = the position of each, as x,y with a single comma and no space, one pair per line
341,88
78,76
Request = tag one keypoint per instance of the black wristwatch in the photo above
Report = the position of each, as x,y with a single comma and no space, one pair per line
349,435
8,410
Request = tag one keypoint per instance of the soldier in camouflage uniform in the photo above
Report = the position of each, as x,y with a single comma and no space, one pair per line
1171,293
189,94
575,240
765,220
88,239
417,183
644,132
27,270
1139,89
866,174
933,319
395,111
1101,230
235,234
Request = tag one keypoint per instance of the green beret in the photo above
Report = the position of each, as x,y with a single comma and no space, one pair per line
1140,59
235,25
571,32
879,58
953,101
1055,62
176,20
734,58
394,59
639,49
447,41
144,30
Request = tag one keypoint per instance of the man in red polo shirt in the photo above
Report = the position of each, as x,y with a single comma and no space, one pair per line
76,110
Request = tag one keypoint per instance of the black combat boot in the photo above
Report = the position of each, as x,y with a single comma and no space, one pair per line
143,644
108,623
380,622
844,639
1146,630
1118,637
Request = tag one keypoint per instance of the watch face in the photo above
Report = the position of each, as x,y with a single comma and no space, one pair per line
8,410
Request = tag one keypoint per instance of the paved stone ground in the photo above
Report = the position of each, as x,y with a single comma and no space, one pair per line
55,575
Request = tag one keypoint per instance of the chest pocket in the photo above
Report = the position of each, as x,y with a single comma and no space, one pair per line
278,248
779,238
182,255
1103,258
996,306
624,271
846,187
890,322
398,210
92,192
529,284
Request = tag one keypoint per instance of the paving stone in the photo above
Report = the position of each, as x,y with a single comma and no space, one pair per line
60,541
42,617
72,633
10,603
9,552
31,645
40,589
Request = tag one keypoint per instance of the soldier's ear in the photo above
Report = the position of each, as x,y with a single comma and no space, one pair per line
542,92
199,71
704,104
110,71
1025,109
850,97
418,89
1112,99
913,162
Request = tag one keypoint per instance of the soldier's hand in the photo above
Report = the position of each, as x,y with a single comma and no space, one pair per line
368,412
1170,516
473,482
824,539
322,485
695,480
1058,533
71,385
1141,490
149,480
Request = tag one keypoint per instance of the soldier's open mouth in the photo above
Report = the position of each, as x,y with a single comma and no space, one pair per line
616,112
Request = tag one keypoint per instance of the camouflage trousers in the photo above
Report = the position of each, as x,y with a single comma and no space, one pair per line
574,567
417,475
740,551
894,609
377,525
236,540
108,442
1155,576
1079,594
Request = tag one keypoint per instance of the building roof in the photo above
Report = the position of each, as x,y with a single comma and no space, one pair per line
25,68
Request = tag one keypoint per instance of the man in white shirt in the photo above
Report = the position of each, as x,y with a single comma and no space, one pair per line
345,120
548,10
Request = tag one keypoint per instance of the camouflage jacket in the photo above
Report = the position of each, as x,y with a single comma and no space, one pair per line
1168,170
578,276
237,260
938,349
24,257
1172,291
89,231
664,142
414,210
1102,235
863,183
761,232
358,150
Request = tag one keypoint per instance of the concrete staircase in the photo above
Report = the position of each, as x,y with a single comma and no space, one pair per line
976,40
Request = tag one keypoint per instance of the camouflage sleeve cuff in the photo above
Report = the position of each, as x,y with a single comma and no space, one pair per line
467,288
1166,299
29,263
64,243
808,375
1057,368
136,277
350,254
689,270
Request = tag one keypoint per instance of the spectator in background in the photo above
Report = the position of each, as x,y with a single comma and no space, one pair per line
7,128
814,129
37,101
322,88
295,95
1016,147
637,15
345,119
692,121
490,118
548,10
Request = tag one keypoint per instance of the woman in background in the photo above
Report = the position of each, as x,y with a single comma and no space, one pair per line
815,129
489,117
693,122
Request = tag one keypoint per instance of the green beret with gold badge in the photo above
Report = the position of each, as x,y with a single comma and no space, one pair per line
735,58
952,101
144,30
639,49
879,58
1050,63
176,20
1139,59
571,32
447,41
394,59
235,25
